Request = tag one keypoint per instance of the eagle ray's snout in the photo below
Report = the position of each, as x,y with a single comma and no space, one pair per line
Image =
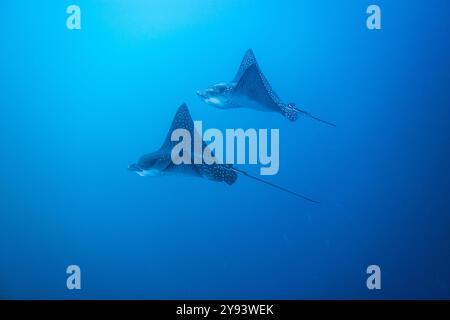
201,94
134,167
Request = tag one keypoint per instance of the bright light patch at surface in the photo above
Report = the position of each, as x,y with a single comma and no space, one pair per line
155,18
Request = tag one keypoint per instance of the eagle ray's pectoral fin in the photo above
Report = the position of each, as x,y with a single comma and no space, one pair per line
253,86
248,60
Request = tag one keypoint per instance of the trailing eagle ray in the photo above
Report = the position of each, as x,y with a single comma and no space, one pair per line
250,89
160,162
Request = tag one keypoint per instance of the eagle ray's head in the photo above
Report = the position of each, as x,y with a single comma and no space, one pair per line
217,96
147,166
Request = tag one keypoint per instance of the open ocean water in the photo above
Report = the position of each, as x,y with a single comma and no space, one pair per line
78,106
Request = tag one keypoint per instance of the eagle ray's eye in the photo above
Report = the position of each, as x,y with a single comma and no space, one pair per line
219,88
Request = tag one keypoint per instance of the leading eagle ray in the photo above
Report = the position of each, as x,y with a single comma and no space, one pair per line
160,162
250,89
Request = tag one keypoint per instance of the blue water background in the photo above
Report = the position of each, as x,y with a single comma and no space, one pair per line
76,107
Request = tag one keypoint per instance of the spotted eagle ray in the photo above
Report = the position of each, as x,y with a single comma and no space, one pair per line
160,163
250,89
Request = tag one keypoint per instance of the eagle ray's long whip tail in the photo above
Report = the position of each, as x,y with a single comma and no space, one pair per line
274,185
313,117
